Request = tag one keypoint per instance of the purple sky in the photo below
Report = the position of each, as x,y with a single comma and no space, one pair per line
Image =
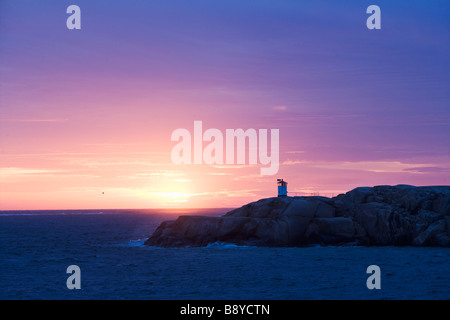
345,98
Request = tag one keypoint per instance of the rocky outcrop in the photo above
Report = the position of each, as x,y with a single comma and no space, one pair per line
382,215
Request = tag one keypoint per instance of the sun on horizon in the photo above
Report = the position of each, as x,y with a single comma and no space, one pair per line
87,115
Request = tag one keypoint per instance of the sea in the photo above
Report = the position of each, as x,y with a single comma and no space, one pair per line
37,247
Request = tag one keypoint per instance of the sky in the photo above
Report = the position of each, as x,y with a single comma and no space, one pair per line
86,116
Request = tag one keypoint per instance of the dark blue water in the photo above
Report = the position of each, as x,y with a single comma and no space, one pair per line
37,247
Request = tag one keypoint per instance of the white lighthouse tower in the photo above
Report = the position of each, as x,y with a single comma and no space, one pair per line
282,188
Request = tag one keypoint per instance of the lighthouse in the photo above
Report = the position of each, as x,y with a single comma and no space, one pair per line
282,188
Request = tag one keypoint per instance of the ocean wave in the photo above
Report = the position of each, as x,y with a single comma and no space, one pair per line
220,244
133,243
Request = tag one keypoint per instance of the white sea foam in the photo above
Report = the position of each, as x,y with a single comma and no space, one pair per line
134,243
219,244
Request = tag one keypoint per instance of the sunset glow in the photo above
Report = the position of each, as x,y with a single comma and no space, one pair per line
86,116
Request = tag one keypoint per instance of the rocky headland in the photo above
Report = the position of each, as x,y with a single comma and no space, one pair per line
399,215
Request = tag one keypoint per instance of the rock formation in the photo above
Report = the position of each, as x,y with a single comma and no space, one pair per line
382,215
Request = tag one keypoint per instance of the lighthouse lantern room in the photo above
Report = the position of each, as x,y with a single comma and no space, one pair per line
282,188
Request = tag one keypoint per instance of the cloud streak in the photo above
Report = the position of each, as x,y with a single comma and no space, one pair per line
371,166
31,120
